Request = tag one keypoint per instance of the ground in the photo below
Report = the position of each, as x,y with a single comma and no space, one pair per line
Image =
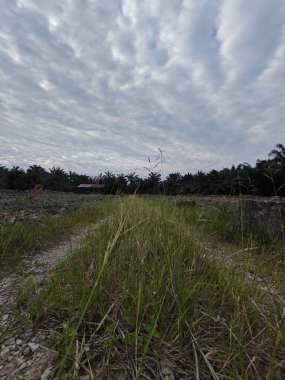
176,292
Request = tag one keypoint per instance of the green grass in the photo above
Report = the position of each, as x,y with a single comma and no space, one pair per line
25,238
226,232
142,292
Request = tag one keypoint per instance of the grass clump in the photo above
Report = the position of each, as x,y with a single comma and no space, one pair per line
25,238
141,297
225,233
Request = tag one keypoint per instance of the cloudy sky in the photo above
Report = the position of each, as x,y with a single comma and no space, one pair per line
94,85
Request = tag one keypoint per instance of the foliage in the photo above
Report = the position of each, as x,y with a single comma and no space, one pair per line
266,178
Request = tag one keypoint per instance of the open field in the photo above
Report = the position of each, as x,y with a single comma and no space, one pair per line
15,206
139,288
28,225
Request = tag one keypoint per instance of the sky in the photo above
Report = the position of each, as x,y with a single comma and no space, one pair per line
92,85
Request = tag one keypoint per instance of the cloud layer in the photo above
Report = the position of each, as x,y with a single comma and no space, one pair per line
100,85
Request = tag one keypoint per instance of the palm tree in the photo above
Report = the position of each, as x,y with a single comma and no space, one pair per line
59,179
36,174
121,183
4,177
173,183
109,179
278,154
17,178
133,181
57,171
153,182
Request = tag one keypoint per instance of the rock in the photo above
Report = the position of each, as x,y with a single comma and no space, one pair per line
4,351
167,373
47,374
19,342
8,369
266,217
20,360
22,366
26,351
10,342
33,346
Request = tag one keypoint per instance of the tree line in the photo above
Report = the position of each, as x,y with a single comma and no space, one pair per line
266,178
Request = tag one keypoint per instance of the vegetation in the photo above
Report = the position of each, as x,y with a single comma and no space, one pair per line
23,238
146,295
266,178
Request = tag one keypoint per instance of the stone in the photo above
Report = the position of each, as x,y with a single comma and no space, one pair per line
22,366
46,374
167,373
33,346
265,216
10,342
20,360
8,369
4,351
26,351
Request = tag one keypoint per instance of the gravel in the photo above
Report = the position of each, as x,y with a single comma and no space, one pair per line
25,352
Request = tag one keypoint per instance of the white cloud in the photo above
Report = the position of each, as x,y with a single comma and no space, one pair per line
95,85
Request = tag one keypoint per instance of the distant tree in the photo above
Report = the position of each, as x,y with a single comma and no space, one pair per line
36,175
266,178
153,182
187,184
4,177
173,183
133,182
17,179
277,169
73,178
109,180
121,183
59,179
278,154
78,179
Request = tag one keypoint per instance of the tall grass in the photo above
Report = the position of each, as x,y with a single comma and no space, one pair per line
225,229
141,297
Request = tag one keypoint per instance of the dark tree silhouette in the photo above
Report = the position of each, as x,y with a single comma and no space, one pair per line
266,178
278,154
17,178
133,182
37,175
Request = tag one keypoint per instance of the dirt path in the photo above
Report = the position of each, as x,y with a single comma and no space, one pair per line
24,352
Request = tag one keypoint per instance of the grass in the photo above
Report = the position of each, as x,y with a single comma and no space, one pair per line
142,298
21,239
225,232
